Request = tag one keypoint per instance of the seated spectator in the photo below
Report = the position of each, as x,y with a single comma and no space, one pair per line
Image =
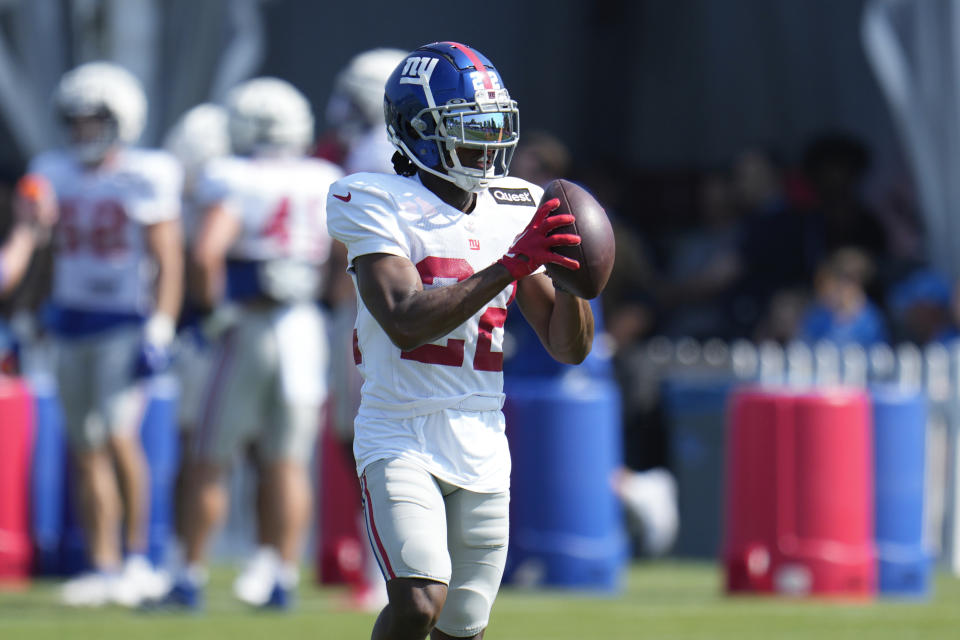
841,310
921,308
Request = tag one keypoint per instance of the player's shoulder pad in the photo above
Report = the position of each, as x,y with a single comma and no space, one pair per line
323,164
317,171
225,167
515,191
362,210
152,171
153,162
222,176
366,186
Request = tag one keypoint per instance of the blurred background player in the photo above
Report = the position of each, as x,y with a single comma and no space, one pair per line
356,138
117,286
262,253
197,137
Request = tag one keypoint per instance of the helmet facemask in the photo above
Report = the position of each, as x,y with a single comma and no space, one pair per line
91,135
475,146
468,143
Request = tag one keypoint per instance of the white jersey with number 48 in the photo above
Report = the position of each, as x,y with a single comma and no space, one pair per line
380,213
103,264
281,203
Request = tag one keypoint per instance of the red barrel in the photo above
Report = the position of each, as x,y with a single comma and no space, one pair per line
340,541
16,447
799,507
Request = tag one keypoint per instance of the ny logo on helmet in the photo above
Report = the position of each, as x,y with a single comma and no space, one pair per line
417,70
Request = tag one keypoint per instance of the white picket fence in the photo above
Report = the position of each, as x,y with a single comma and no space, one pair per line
933,370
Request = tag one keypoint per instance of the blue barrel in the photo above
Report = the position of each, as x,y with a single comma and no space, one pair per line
48,481
57,530
566,525
161,446
694,410
900,425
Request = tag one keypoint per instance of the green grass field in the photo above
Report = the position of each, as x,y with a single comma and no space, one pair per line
662,601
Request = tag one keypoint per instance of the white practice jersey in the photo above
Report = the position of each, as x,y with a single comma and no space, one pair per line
281,203
380,213
103,263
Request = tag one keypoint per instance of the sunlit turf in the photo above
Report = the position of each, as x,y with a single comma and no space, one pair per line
660,600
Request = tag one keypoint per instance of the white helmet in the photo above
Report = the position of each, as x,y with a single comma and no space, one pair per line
104,90
268,115
361,82
198,136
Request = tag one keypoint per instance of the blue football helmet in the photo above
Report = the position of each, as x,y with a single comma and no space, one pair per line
449,114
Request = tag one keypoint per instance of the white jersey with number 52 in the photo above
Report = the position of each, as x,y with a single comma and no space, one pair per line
380,213
102,263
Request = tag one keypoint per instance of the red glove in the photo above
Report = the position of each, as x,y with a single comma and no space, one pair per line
533,247
35,205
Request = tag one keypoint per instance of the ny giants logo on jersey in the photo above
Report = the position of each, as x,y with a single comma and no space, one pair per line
516,197
417,70
474,244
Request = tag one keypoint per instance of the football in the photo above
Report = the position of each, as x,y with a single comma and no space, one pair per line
597,245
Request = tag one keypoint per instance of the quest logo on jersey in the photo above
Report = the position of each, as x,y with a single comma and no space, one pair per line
520,197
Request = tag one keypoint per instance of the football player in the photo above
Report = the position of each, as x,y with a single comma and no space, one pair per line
437,253
262,254
117,286
196,138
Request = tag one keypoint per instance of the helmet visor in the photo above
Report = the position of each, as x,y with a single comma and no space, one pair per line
91,135
481,128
